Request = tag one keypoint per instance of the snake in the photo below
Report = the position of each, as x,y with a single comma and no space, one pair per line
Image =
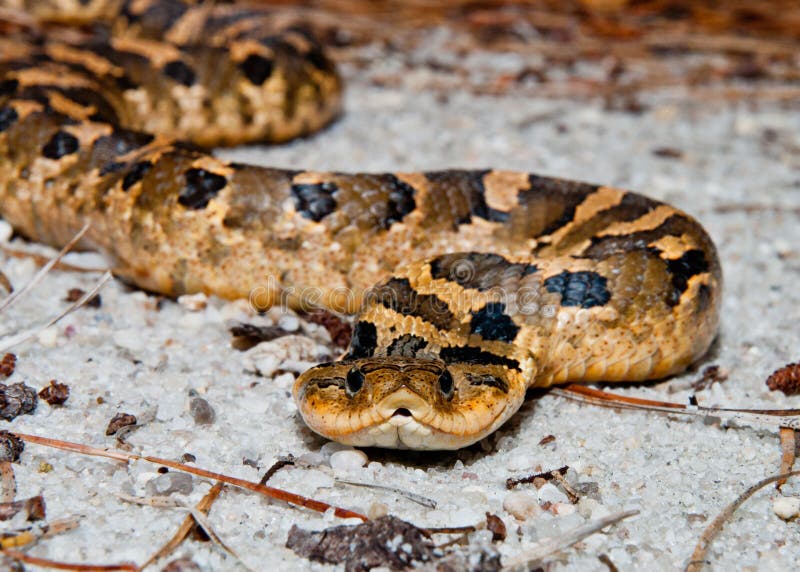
469,287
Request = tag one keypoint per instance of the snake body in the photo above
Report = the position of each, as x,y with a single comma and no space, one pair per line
470,286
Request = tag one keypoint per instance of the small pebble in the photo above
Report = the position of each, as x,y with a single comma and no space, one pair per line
551,493
563,509
377,510
348,461
521,505
331,447
786,507
48,337
201,411
169,483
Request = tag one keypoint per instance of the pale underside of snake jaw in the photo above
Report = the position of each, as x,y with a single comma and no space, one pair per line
470,286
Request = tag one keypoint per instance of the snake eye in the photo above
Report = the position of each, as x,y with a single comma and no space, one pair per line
354,381
446,384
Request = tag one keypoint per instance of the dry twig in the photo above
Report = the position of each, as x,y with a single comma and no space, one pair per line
278,494
698,558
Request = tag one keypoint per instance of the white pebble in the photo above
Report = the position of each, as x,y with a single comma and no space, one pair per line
563,509
786,507
48,337
348,461
521,505
377,510
550,493
332,447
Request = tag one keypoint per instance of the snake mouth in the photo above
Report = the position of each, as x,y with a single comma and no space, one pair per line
402,412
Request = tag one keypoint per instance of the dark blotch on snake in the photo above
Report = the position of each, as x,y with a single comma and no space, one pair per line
492,324
478,270
401,201
486,379
180,72
8,115
364,341
682,269
8,86
583,288
60,145
314,201
469,354
407,345
398,295
256,68
201,186
135,174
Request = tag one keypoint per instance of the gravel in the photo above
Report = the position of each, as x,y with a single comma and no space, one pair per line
736,170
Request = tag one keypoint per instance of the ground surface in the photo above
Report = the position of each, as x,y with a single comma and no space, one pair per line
732,165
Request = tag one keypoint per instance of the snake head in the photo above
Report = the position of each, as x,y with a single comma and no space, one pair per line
407,403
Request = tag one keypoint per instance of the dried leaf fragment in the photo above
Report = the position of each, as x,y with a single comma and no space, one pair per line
7,365
33,508
497,527
11,447
75,294
16,399
55,394
786,379
119,421
387,541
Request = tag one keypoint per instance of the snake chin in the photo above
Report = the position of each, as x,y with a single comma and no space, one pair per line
406,403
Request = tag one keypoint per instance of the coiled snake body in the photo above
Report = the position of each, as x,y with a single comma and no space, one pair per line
487,282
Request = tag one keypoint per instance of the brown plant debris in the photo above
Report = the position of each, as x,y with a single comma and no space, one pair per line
513,482
279,494
698,559
547,439
246,336
786,379
7,365
339,330
33,508
5,283
16,399
55,394
711,374
119,421
185,564
188,525
282,462
75,294
11,447
387,541
788,438
497,527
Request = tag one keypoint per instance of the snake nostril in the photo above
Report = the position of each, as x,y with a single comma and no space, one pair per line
402,412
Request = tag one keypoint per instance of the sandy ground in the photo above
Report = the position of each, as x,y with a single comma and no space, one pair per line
735,167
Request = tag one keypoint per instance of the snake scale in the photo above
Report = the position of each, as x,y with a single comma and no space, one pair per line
470,286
